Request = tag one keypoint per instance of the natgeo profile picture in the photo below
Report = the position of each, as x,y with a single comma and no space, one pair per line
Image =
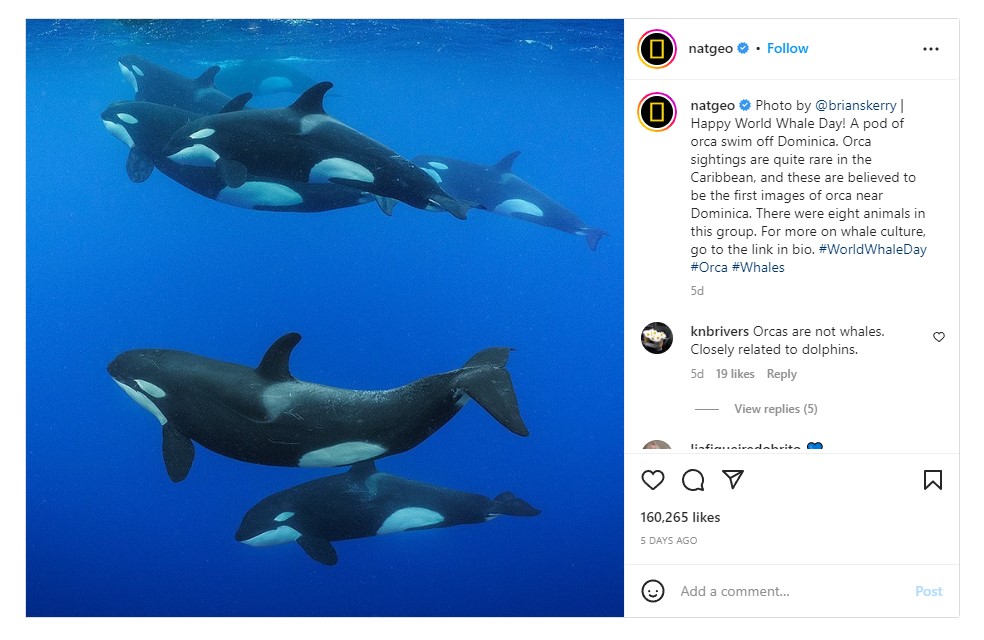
657,111
336,179
657,48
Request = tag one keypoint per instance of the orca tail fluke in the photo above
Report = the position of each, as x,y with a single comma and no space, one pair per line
485,380
506,504
493,356
593,236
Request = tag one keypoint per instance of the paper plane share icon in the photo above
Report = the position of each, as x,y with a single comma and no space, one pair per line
733,475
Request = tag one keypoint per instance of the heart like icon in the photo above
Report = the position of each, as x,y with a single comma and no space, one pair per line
653,478
938,336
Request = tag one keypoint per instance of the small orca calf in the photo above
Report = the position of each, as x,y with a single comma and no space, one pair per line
302,143
266,416
497,189
363,503
146,127
261,78
154,83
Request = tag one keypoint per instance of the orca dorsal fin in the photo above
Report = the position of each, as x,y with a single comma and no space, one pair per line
276,363
505,165
312,100
207,79
237,104
362,470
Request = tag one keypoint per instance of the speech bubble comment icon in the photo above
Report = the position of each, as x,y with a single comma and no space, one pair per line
693,480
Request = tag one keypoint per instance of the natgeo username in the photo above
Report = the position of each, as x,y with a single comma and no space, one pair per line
666,517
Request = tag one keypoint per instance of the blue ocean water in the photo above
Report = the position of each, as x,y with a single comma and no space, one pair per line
380,301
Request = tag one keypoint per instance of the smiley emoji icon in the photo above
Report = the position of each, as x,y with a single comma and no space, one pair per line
653,590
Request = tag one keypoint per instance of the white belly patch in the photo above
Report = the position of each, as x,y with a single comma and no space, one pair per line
276,83
255,194
518,205
330,168
341,454
197,155
409,518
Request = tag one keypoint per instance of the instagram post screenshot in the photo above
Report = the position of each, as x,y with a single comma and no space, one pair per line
461,321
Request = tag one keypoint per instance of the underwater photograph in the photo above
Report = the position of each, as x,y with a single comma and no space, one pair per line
324,318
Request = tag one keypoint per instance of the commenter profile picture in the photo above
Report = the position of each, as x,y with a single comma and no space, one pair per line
656,444
657,337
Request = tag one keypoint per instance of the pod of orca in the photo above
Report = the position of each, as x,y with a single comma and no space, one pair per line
298,158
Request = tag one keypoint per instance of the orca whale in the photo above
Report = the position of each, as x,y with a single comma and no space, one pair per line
154,83
497,189
266,416
302,143
362,503
146,127
261,78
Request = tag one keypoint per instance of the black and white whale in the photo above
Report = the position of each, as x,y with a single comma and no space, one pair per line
154,83
363,503
497,189
266,416
261,77
146,127
301,143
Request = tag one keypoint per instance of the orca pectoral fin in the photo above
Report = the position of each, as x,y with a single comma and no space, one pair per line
386,204
138,166
318,549
179,453
233,172
455,207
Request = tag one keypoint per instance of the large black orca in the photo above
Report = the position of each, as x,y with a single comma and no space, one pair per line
496,188
266,416
154,83
363,503
302,143
261,77
146,127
